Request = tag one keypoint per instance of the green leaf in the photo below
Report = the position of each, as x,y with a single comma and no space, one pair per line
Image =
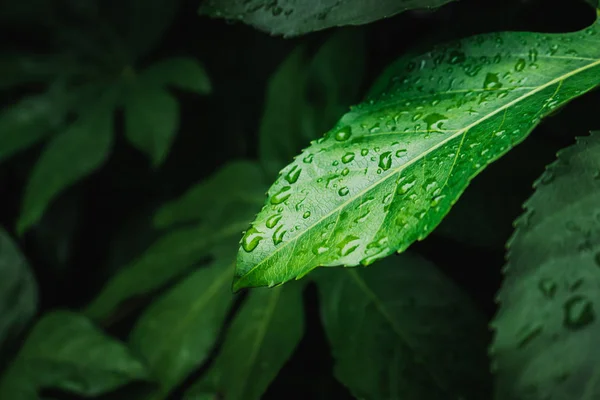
261,338
31,119
390,170
219,209
547,326
148,20
18,291
65,351
293,17
182,72
69,156
151,121
305,97
402,330
176,333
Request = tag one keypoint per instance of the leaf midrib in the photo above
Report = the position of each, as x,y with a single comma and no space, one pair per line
424,154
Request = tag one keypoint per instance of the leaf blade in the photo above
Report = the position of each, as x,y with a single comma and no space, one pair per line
548,298
415,161
397,330
183,72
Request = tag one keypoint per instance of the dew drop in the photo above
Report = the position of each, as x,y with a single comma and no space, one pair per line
251,239
293,175
348,245
456,57
548,288
343,134
344,191
278,235
597,259
320,249
385,160
345,171
282,195
405,187
364,152
362,217
578,313
520,65
308,159
273,220
348,157
492,82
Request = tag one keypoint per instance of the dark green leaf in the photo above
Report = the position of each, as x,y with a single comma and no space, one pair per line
31,119
147,22
296,17
151,121
261,338
390,170
67,352
402,330
69,156
18,291
20,69
182,72
176,333
547,327
219,210
305,97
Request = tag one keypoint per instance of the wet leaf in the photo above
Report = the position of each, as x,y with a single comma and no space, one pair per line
306,96
176,333
65,351
547,326
390,170
68,157
216,211
402,330
18,291
181,72
295,17
259,341
151,121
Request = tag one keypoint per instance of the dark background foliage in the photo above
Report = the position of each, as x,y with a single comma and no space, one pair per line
105,220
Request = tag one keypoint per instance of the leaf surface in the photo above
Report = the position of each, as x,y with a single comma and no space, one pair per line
18,291
402,330
216,211
297,17
65,351
151,120
181,72
261,338
68,157
306,96
390,170
176,333
547,327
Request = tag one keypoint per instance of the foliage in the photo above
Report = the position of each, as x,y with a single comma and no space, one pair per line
133,242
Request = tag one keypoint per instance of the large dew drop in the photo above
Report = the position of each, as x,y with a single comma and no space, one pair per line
282,195
343,134
385,160
251,239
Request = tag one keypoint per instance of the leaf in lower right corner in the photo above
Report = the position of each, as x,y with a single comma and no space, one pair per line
402,330
547,327
262,337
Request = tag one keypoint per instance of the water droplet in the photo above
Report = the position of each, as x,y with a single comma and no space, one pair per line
362,217
547,177
320,249
520,65
348,157
597,259
435,121
343,134
251,239
401,152
385,160
345,171
548,288
456,57
293,175
308,159
281,196
364,152
344,191
278,235
306,214
578,313
273,220
491,82
405,187
437,200
335,163
348,245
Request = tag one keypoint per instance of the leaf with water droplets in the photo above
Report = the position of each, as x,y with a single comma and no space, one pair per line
66,351
307,95
177,331
296,17
210,213
261,338
547,327
422,137
401,329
